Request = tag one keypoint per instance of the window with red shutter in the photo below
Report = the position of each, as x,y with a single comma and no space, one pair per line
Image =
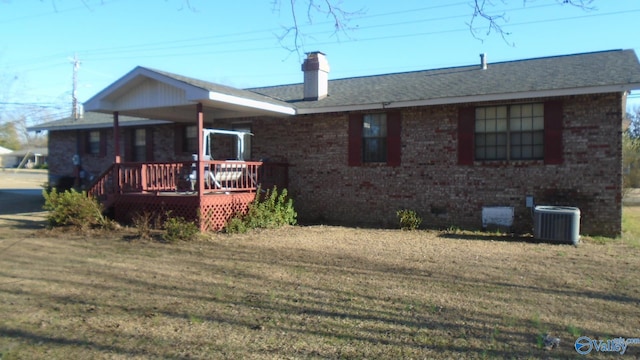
394,139
375,138
466,129
553,152
530,131
355,140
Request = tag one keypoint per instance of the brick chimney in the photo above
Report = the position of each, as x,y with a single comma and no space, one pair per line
316,76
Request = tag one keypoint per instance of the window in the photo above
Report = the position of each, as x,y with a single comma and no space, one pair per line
93,142
374,138
139,145
190,139
514,132
511,132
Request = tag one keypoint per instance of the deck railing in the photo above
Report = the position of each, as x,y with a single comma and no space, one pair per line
157,177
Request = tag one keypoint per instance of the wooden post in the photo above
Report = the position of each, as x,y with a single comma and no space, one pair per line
116,151
116,137
200,163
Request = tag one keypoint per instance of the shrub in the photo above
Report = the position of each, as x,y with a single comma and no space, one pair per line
144,222
177,228
236,225
72,208
269,211
409,219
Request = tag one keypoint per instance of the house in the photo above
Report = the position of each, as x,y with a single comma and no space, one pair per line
25,158
3,152
444,142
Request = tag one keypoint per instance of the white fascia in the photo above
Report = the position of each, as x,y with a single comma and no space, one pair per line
254,104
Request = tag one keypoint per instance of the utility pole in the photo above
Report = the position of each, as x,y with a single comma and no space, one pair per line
74,92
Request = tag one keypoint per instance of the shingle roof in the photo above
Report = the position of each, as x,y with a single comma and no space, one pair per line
599,69
92,120
606,71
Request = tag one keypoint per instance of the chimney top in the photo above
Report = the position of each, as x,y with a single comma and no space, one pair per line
483,61
316,79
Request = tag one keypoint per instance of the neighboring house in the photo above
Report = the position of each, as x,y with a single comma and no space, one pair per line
3,152
25,158
444,142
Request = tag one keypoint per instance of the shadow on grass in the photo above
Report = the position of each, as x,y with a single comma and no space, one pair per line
514,238
37,339
277,297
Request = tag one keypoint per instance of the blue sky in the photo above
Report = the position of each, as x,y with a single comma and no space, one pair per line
236,42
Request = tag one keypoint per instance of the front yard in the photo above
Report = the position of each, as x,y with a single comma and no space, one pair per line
313,292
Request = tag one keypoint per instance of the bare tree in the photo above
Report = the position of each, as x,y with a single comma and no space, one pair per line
482,23
484,18
329,9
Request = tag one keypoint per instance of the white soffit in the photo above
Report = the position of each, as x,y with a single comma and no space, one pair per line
254,104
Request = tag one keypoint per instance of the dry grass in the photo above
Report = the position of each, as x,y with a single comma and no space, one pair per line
310,292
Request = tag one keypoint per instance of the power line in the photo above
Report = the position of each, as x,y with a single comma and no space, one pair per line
225,39
161,49
170,53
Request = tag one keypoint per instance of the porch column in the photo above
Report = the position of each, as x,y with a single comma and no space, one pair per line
116,137
116,150
200,153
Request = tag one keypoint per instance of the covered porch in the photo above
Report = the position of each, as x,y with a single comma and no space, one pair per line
205,190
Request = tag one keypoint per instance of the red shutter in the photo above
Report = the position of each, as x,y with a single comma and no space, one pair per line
394,140
128,144
103,143
355,140
466,130
553,132
148,132
178,136
82,137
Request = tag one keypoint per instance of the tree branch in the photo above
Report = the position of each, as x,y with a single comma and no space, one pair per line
495,22
328,8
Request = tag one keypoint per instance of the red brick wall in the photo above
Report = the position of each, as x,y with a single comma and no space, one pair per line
62,146
431,182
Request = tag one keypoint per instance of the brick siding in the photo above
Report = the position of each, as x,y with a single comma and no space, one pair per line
429,179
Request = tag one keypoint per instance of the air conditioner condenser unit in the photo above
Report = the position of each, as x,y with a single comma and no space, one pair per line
557,223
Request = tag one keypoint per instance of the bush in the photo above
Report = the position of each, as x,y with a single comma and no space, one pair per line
409,219
177,228
72,208
144,223
269,211
236,225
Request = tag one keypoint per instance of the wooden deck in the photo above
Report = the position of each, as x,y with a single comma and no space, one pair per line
171,189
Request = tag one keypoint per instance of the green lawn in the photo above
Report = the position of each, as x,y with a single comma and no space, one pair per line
631,225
